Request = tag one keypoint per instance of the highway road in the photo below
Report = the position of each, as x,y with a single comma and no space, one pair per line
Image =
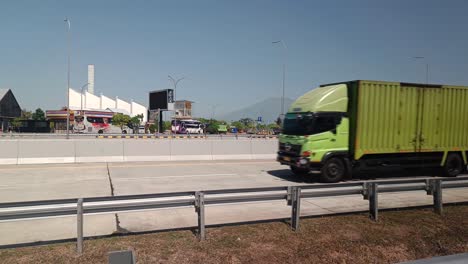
40,182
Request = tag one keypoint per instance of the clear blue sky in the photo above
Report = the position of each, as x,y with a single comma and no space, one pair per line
224,48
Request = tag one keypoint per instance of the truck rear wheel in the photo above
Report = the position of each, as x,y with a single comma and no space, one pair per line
454,165
333,170
299,171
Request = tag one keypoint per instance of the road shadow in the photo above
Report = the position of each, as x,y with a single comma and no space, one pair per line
287,175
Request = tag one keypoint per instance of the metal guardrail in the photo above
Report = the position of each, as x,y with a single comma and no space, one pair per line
292,194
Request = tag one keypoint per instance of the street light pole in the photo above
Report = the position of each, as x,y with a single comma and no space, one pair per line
68,77
81,97
175,82
284,73
427,68
213,109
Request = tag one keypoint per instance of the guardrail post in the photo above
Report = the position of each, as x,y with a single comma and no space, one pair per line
437,196
289,195
434,188
365,191
200,209
79,222
429,188
296,207
373,195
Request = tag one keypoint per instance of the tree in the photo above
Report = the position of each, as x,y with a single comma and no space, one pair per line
17,122
239,125
38,115
166,126
25,114
135,122
273,126
248,122
153,128
120,120
278,121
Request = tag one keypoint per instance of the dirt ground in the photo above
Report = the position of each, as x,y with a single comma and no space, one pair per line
398,236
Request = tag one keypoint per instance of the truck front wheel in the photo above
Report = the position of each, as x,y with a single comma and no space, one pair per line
333,170
454,165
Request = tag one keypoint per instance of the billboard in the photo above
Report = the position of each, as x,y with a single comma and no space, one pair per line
161,99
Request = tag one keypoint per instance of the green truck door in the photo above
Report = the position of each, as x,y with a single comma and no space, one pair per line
394,118
387,119
444,123
408,119
429,120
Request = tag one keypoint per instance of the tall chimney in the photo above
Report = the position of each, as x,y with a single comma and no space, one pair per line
91,78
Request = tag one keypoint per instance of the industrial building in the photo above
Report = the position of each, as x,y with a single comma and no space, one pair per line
9,109
86,100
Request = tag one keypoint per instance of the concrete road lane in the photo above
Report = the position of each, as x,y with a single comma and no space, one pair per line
190,176
34,182
39,182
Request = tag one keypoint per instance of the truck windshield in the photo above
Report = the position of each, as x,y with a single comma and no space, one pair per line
298,124
301,124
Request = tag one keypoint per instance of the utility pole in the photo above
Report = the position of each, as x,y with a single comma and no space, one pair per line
68,76
284,73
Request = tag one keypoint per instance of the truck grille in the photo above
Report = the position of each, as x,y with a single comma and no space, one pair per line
291,149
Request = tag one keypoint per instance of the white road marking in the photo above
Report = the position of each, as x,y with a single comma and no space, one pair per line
177,176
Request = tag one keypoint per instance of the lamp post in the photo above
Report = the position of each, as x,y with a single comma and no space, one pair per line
213,110
284,72
175,82
68,77
81,97
427,67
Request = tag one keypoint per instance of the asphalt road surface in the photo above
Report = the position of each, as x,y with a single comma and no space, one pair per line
40,182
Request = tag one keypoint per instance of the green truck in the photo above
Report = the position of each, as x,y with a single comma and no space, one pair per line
364,125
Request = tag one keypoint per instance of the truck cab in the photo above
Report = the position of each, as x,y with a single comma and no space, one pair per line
315,132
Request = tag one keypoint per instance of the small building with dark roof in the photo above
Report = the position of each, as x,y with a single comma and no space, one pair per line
9,108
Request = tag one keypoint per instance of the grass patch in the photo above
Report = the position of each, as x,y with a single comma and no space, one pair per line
398,236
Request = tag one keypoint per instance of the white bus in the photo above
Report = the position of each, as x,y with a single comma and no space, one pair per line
96,122
188,126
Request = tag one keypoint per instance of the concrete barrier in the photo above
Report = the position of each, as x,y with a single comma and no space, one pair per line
147,150
264,149
232,149
110,150
39,151
8,152
32,151
191,149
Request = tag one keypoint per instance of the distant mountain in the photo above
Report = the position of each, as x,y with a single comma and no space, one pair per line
269,109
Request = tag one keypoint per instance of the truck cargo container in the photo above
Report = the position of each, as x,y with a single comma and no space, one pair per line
375,124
